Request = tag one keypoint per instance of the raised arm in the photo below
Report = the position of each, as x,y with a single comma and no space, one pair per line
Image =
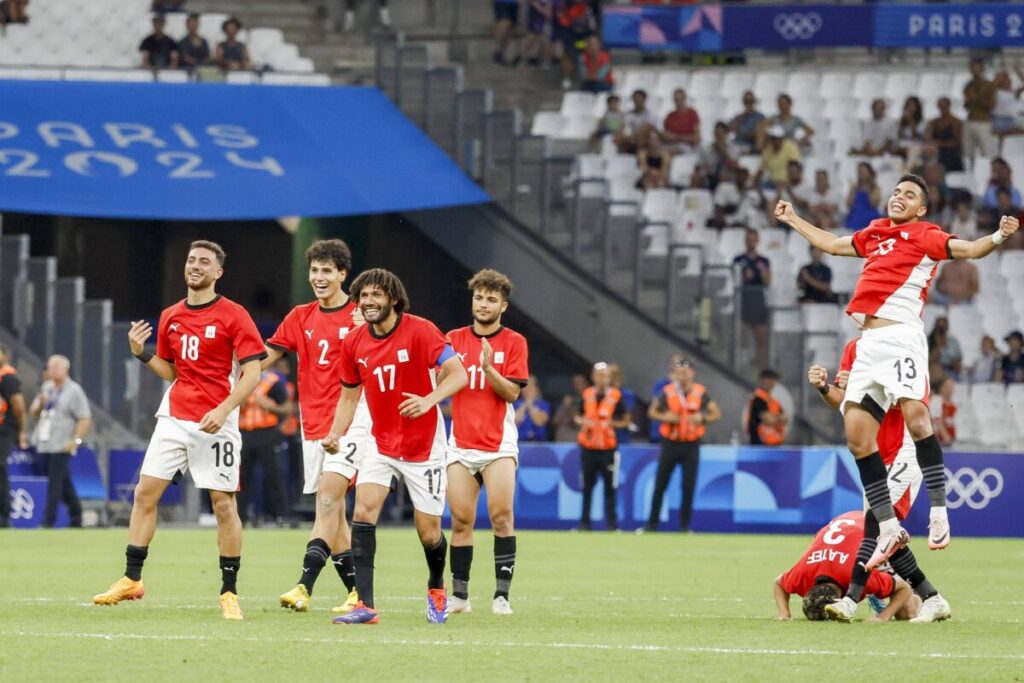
138,334
983,246
832,395
822,239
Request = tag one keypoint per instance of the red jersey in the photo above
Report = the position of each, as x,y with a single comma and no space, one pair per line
833,553
481,419
315,335
203,343
399,362
900,263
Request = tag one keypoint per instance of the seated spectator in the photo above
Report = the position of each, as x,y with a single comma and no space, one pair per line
532,412
574,23
824,201
638,122
745,125
718,158
612,121
964,223
537,45
1011,368
597,68
1002,179
739,203
878,134
814,281
864,198
654,161
794,128
940,194
989,218
950,356
957,282
193,48
776,154
943,411
163,6
682,125
986,367
13,12
945,132
910,131
158,49
232,55
793,188
1006,118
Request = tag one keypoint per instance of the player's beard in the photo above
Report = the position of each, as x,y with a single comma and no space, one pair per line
384,312
486,321
203,283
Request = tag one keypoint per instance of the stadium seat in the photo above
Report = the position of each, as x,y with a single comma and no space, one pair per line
836,83
982,172
734,83
1013,146
822,349
730,244
933,85
751,162
660,205
931,313
960,180
130,75
622,165
637,80
669,81
868,84
770,84
845,272
172,76
800,82
13,73
547,124
899,85
242,78
578,127
697,200
703,83
820,317
786,318
1011,264
575,103
682,169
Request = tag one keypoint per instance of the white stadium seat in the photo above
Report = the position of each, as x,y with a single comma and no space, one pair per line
682,169
575,103
820,317
548,124
578,127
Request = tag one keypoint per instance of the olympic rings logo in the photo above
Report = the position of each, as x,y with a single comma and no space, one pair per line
973,489
797,25
22,505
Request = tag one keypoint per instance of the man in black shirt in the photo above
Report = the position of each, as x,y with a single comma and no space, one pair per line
193,48
815,281
600,411
754,275
1011,368
12,428
158,49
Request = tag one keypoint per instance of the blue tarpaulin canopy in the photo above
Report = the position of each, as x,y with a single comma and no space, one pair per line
218,152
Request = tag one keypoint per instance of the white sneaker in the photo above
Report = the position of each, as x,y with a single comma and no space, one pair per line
938,529
841,610
501,606
934,608
458,605
385,17
350,21
888,544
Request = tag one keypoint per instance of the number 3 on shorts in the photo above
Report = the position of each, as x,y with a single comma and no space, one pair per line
224,454
905,369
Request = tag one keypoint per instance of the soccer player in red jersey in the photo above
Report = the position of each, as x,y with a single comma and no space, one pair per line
823,573
902,253
198,341
393,358
315,332
897,450
484,445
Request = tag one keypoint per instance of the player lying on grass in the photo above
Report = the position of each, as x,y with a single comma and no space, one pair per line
823,573
896,447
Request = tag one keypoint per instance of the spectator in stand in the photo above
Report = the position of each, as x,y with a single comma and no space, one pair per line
718,158
957,283
864,198
1005,206
943,411
746,125
1011,368
878,134
639,121
950,355
682,125
506,22
1006,119
754,275
612,122
964,223
794,127
776,154
193,48
563,421
1002,179
979,101
13,12
824,201
945,132
162,6
940,194
910,131
814,281
532,412
575,23
232,54
986,367
349,22
765,420
793,189
624,434
654,161
537,46
597,68
158,49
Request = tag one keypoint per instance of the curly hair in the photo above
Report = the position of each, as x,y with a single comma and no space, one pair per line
388,283
330,251
491,281
823,593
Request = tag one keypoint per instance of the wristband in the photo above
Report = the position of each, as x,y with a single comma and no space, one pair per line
998,237
145,357
823,390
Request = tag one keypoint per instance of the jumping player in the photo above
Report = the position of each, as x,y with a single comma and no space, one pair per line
198,340
484,444
897,450
315,332
902,253
394,357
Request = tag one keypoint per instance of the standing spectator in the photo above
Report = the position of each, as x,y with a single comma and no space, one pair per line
259,422
601,411
986,367
754,275
950,355
1011,368
964,223
910,131
814,281
1006,118
878,134
654,162
945,132
684,409
718,158
682,125
64,419
864,198
12,427
383,14
979,101
765,419
776,154
794,127
232,54
638,122
943,411
575,23
532,412
13,12
506,22
597,68
564,419
957,283
538,26
624,434
746,124
824,201
193,48
158,49
1002,179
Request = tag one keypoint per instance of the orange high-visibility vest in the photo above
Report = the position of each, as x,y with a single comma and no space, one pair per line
770,435
4,371
290,425
599,436
252,416
683,430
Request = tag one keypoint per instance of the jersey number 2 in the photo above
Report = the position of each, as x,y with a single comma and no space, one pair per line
324,347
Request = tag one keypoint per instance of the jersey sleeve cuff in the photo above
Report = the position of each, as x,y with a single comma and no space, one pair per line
853,243
256,356
350,386
516,380
278,347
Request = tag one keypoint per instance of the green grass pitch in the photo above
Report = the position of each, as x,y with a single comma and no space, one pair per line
588,607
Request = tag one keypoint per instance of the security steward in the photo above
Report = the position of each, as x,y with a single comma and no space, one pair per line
259,422
601,412
765,419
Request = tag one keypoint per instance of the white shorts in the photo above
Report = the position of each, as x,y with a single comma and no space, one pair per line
179,446
891,363
353,448
427,481
475,461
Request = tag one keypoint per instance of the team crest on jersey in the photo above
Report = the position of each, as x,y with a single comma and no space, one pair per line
499,357
904,234
403,356
211,331
342,331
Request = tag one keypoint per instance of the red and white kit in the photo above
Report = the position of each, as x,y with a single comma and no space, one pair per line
206,344
483,423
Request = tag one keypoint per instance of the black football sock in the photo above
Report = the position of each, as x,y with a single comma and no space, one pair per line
229,574
436,559
317,552
364,548
859,579
462,559
905,564
504,564
346,568
135,555
876,487
929,459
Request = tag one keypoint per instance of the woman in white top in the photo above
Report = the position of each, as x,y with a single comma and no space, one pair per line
1006,116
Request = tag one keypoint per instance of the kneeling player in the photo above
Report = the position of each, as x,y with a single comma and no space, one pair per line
484,445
